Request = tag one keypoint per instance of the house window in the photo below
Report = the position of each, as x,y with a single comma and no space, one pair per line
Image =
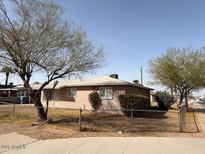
48,94
21,93
106,93
71,92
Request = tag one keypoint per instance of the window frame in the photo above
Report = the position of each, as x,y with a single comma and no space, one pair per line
106,97
48,94
70,91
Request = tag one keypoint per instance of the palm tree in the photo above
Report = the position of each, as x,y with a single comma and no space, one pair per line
7,70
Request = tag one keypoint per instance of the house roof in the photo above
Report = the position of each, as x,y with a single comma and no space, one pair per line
34,86
96,81
8,89
6,86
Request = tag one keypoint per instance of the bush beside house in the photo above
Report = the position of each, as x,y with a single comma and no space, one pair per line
95,100
164,100
136,102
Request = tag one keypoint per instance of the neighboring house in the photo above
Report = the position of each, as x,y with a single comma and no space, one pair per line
22,92
75,93
8,93
13,94
7,90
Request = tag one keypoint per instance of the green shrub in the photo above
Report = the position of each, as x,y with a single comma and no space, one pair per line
136,102
164,99
95,100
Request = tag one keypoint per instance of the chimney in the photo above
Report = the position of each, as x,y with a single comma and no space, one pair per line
114,76
136,81
11,84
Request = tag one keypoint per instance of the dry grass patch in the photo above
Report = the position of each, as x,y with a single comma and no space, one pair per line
66,124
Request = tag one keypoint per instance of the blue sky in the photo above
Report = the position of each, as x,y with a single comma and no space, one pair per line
134,31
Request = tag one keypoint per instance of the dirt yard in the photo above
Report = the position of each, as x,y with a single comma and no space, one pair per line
66,124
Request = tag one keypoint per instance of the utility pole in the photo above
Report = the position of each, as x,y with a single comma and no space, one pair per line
141,76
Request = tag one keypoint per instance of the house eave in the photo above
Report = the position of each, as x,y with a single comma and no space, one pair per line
97,85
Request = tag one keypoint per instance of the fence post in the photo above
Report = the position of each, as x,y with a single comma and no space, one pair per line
179,121
14,109
37,117
132,120
80,119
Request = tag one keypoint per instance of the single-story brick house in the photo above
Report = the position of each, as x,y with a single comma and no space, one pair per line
75,93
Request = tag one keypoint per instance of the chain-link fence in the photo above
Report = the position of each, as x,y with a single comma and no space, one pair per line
128,121
17,112
29,113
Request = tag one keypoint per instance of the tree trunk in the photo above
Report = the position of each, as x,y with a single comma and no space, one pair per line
181,99
7,78
41,113
36,99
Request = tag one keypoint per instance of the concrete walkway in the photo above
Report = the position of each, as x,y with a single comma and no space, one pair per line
12,140
102,145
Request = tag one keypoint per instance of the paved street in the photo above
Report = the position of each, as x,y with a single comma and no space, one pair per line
20,144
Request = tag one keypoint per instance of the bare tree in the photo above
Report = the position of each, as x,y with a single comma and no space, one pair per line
38,39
